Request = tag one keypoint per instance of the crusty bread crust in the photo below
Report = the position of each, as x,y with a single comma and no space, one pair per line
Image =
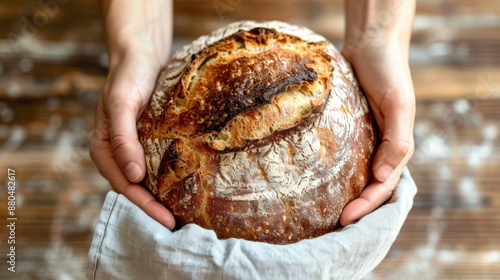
258,131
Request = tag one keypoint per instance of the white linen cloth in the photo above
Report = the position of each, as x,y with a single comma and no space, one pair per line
128,244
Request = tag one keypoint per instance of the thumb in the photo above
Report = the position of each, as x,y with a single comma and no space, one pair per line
125,144
397,144
130,87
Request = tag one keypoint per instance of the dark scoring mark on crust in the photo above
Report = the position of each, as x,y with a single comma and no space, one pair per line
171,159
238,91
243,83
282,133
219,92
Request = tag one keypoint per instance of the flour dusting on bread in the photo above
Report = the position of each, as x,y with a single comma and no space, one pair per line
258,131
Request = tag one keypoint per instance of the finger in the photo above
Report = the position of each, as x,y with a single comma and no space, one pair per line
144,200
374,195
102,155
125,144
397,139
130,88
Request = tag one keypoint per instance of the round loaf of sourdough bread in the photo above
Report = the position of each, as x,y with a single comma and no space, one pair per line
258,131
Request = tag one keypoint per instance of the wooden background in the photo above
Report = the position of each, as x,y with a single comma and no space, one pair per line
50,80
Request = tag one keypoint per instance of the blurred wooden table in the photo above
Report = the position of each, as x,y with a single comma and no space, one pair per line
49,84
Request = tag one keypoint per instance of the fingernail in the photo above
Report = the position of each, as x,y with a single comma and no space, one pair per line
383,172
133,171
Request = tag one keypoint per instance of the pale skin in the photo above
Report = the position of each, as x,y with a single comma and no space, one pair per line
139,43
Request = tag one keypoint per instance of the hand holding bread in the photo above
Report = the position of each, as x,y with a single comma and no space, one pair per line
120,158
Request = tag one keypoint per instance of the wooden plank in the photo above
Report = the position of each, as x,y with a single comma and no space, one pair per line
49,90
446,82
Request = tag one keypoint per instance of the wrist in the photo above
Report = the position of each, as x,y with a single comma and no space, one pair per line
378,24
134,59
138,28
357,52
128,50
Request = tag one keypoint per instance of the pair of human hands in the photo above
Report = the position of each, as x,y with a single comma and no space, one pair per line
382,70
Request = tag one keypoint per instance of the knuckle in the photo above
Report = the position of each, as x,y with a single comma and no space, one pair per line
119,99
102,173
94,148
119,143
147,205
402,148
398,95
118,103
92,152
411,149
404,101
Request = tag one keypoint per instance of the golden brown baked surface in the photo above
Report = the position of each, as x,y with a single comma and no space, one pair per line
258,131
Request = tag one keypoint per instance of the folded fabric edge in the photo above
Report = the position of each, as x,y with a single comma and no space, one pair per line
99,234
227,263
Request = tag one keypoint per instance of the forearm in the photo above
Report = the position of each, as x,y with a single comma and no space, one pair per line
143,27
379,22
